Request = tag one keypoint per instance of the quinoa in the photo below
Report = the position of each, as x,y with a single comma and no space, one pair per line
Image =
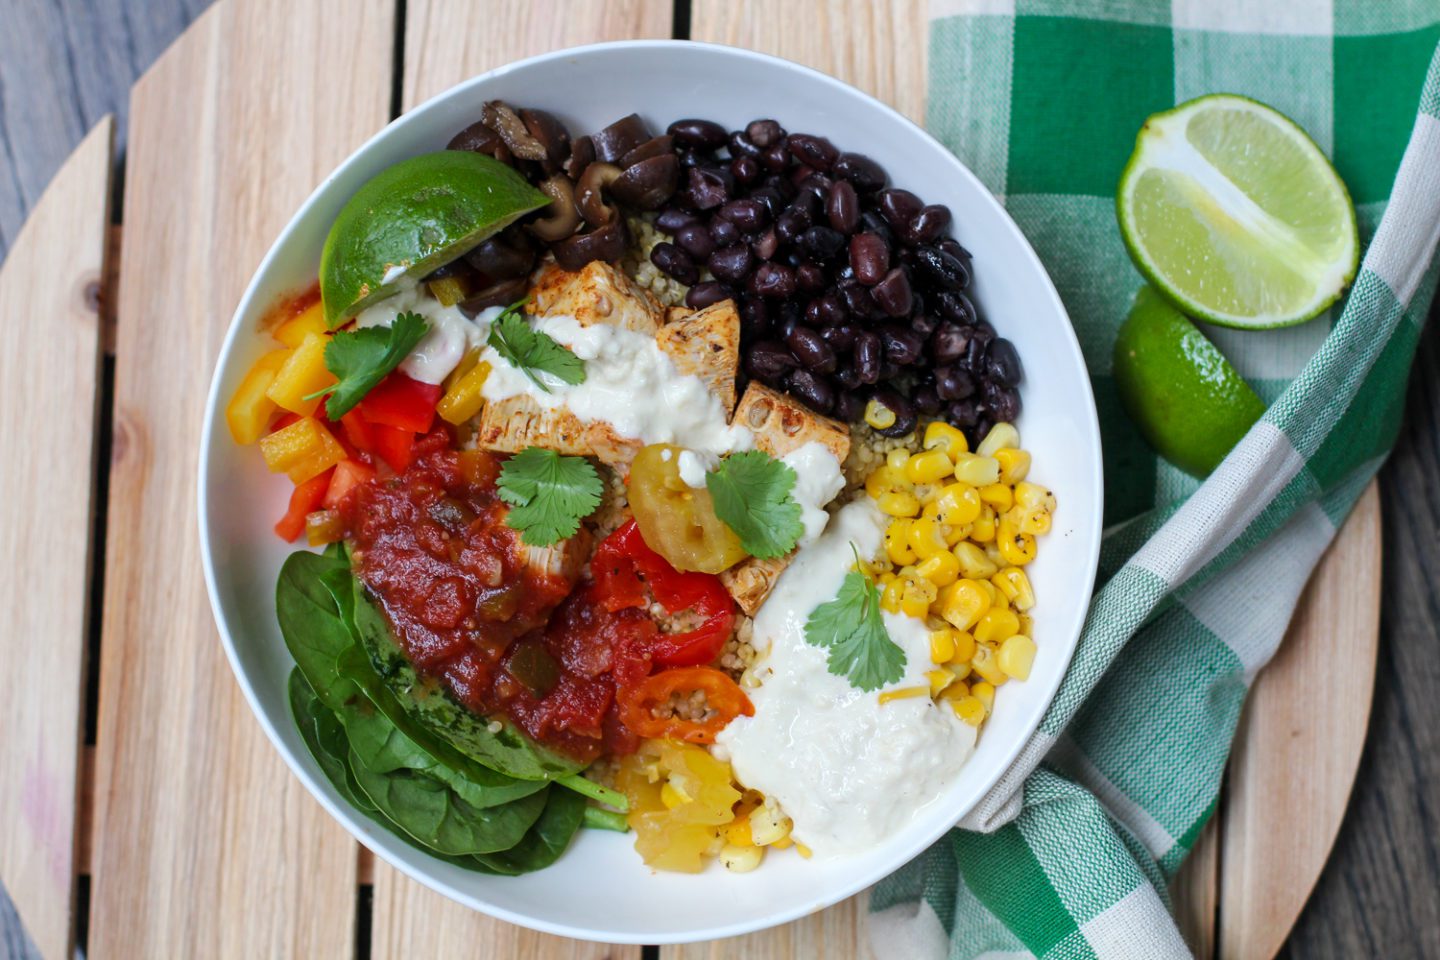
636,262
687,706
614,507
738,652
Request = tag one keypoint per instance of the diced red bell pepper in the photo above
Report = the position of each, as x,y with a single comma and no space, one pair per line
722,695
305,498
348,475
398,401
284,421
629,574
357,431
396,447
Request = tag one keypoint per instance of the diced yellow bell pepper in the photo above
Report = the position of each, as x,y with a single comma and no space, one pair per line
293,331
249,411
303,450
303,375
463,400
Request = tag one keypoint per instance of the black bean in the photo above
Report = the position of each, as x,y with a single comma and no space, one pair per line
781,185
901,344
768,358
790,315
773,280
754,319
868,355
675,262
697,134
952,246
923,323
866,174
740,145
842,336
981,429
926,400
889,369
903,409
792,223
708,292
983,332
771,200
821,242
899,207
927,224
816,183
849,405
842,206
776,157
746,169
766,245
942,269
849,380
892,293
723,232
1002,403
954,305
671,219
693,158
808,202
858,300
811,350
732,263
872,222
810,277
953,383
963,413
975,355
764,133
815,151
749,215
710,186
817,392
695,240
1002,363
869,257
830,309
948,342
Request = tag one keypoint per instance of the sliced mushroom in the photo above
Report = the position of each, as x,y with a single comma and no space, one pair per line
550,133
506,122
654,147
605,243
478,138
648,184
502,257
562,219
589,193
620,138
582,154
496,295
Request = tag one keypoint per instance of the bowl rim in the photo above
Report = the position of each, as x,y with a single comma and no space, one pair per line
349,818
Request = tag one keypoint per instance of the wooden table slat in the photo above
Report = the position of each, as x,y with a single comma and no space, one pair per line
205,844
50,377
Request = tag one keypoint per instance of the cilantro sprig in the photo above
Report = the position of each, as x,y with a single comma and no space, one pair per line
851,629
361,358
548,494
529,350
752,494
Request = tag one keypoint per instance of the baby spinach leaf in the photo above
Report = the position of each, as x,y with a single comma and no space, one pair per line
546,840
325,738
311,623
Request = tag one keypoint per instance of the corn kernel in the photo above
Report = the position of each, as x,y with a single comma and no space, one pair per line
895,459
1001,436
983,529
976,470
768,825
897,542
917,596
942,645
927,538
903,693
969,709
1017,548
961,670
942,569
928,493
998,495
985,693
959,504
1027,625
990,591
887,479
964,649
940,435
737,832
939,680
898,504
1015,585
929,466
974,564
741,859
1014,465
966,603
890,596
954,535
985,664
1031,496
957,688
995,626
878,415
1035,523
1017,656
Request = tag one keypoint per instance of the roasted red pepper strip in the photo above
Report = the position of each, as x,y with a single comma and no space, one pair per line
624,566
725,700
403,403
305,498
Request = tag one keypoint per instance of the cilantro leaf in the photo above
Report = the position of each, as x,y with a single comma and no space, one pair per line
528,350
751,491
361,358
548,494
851,629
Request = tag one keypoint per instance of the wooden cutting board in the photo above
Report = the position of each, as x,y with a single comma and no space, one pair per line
181,822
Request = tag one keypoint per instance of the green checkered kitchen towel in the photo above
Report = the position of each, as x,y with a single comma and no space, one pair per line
1070,855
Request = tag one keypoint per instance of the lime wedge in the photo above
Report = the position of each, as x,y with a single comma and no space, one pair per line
1188,402
413,217
1234,214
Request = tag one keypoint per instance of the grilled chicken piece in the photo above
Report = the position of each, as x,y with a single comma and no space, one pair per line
564,560
781,425
511,425
600,293
705,344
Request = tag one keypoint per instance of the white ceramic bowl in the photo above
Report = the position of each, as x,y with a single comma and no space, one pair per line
600,890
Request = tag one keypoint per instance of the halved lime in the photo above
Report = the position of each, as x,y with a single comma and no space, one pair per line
413,217
1233,213
1188,402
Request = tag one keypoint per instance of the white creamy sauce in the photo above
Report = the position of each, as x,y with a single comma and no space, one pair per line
451,333
693,467
630,384
848,770
817,481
